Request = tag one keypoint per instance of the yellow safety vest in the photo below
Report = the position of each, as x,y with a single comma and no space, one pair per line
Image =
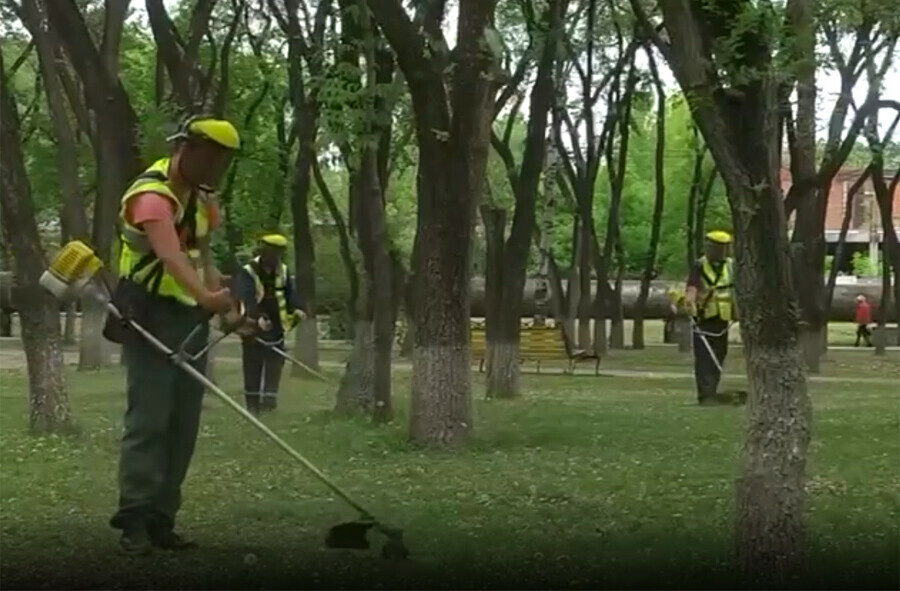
137,260
280,282
720,302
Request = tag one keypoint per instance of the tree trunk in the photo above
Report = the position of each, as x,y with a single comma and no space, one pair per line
48,403
510,259
356,392
307,333
637,335
702,206
617,312
115,147
381,281
441,409
543,290
842,239
809,246
367,210
502,322
453,137
694,198
771,497
741,128
584,293
367,387
69,327
890,249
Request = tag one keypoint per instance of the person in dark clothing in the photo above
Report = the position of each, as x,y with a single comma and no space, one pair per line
709,298
267,291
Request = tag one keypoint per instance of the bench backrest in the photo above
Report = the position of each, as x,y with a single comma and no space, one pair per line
546,342
536,341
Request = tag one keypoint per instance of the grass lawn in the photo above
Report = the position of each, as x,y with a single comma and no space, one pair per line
585,482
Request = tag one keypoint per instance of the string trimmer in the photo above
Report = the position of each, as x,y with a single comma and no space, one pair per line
73,273
740,395
272,346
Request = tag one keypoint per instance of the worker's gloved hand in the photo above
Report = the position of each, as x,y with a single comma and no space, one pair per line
691,308
298,317
264,323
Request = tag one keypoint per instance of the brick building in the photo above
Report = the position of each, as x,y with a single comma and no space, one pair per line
865,233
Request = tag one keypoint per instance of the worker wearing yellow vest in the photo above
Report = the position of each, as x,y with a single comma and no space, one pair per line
267,291
710,300
169,284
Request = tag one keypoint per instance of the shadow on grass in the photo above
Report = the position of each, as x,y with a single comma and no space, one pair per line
296,562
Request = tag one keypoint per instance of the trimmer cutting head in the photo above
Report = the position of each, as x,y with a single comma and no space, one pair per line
352,536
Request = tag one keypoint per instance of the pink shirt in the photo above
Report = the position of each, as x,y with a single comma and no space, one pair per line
151,207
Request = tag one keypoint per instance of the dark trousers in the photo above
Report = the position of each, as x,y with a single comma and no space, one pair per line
161,419
262,374
863,332
706,373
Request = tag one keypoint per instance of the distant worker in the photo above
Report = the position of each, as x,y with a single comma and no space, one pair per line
710,301
267,291
863,320
167,277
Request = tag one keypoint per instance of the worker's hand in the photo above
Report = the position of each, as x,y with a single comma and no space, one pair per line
298,317
691,308
216,301
233,317
264,323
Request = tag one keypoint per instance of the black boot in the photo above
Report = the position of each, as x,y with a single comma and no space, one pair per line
269,402
252,401
135,540
167,539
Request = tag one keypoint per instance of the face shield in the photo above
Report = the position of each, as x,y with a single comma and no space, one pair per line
716,251
203,163
270,255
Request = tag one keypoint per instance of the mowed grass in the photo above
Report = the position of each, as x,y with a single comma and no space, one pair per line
583,483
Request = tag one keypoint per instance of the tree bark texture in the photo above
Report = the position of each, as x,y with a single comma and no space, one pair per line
605,297
809,236
305,111
637,335
741,128
48,402
842,239
501,327
508,260
115,144
453,134
307,335
367,209
884,193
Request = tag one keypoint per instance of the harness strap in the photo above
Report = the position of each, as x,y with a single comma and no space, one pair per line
188,221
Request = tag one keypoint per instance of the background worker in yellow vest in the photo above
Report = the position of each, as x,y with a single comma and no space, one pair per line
169,284
267,291
710,300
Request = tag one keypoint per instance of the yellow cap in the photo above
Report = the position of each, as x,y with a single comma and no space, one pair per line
719,236
274,240
215,130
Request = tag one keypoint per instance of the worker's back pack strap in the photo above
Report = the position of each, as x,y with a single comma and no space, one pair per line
188,222
712,282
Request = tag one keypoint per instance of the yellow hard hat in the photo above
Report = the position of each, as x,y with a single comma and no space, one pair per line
719,236
219,131
274,240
